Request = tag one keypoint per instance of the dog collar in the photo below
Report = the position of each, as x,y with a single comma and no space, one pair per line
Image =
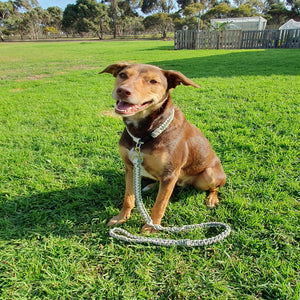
155,133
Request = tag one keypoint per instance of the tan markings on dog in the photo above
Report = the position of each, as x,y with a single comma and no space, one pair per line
128,203
153,164
180,154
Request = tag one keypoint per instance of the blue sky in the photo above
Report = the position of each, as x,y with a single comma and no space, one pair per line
60,3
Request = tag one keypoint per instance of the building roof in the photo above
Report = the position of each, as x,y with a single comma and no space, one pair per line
291,24
247,23
237,20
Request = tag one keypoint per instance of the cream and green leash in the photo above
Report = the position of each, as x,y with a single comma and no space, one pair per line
124,235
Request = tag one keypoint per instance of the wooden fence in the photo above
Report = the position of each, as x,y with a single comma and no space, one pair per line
237,39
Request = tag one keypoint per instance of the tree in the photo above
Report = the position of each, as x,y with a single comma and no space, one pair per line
86,12
14,18
244,10
194,10
222,10
24,4
127,9
132,25
70,18
88,15
166,6
192,15
114,14
122,12
294,5
184,3
6,8
269,3
129,22
277,14
258,5
149,6
99,22
55,17
160,22
21,17
85,16
207,4
20,25
34,18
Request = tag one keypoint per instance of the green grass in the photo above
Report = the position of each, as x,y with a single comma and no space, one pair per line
61,177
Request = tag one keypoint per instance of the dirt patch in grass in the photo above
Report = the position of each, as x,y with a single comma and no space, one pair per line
42,76
18,90
33,77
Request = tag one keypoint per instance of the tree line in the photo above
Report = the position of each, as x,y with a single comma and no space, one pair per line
132,17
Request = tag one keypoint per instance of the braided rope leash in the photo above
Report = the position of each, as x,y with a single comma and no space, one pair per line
124,235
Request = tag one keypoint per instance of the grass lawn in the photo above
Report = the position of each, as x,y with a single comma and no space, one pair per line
62,179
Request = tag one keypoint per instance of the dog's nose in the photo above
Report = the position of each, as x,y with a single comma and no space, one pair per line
122,92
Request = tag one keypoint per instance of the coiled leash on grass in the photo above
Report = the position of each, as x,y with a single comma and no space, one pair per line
124,235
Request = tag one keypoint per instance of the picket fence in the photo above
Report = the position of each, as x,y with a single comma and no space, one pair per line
237,39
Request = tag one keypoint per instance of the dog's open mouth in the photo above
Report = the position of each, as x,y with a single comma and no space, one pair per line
125,108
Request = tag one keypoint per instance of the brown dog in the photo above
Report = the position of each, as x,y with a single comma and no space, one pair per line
180,154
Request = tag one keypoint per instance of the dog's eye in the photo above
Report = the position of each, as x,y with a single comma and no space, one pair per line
153,81
123,75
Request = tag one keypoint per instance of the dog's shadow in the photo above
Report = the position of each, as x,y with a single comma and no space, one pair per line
69,212
77,211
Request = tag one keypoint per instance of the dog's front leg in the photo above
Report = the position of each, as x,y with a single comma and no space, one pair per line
129,199
166,188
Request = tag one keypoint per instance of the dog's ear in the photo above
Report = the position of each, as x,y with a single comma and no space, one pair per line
115,69
176,78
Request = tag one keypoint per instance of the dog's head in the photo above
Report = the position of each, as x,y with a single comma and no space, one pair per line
141,89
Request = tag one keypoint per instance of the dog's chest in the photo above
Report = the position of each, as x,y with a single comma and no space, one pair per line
132,155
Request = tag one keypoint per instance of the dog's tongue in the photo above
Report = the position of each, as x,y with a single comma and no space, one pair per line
126,108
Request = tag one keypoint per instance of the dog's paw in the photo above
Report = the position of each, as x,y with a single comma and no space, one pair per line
212,200
118,219
148,229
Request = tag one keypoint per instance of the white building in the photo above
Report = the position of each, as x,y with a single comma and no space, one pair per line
247,23
291,24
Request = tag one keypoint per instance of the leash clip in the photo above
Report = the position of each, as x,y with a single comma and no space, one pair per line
137,149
